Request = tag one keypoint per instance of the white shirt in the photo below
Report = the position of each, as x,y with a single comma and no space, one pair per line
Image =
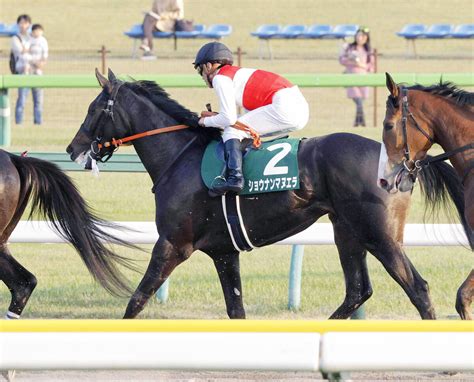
38,51
23,58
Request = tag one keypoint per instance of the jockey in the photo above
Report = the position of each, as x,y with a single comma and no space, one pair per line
272,105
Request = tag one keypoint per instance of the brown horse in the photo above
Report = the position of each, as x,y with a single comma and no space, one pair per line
415,119
56,198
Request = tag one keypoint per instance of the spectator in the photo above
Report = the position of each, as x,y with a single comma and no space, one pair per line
358,58
162,18
20,47
39,55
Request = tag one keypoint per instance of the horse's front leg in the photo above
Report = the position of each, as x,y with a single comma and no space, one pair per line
228,269
164,259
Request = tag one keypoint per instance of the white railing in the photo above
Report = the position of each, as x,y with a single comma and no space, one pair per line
327,346
317,234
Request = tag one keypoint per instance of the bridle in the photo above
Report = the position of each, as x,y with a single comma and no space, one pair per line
420,163
410,165
97,143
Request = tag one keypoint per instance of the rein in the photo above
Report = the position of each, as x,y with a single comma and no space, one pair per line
419,164
119,142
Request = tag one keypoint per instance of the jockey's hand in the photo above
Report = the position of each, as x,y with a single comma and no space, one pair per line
201,122
206,113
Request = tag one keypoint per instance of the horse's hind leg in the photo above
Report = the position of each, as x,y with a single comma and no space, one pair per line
164,259
19,281
397,264
465,296
354,265
228,269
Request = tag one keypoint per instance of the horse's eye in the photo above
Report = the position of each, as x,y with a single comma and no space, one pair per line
388,126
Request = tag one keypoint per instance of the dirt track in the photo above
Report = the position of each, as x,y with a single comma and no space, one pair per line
216,376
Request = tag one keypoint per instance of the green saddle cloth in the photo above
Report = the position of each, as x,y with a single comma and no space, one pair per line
273,167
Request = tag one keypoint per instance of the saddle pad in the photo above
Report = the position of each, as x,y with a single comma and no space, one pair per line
273,167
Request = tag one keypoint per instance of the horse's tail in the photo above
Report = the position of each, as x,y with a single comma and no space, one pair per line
440,184
55,197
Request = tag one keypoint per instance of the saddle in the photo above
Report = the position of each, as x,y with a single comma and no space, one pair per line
270,168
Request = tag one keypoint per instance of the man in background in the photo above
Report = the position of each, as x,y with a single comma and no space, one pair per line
162,18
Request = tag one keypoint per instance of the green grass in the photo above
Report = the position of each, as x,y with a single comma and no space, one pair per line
66,290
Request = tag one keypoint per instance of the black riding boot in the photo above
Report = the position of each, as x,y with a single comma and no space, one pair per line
235,179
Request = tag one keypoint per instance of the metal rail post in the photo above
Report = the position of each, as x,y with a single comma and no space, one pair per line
296,267
5,134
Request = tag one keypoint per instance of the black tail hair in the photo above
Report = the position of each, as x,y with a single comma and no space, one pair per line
55,197
440,184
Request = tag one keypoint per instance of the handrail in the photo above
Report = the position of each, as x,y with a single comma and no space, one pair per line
193,81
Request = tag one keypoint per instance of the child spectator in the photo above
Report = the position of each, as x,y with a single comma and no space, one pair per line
358,58
39,56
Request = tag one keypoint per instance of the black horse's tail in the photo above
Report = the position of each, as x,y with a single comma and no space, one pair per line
440,184
55,197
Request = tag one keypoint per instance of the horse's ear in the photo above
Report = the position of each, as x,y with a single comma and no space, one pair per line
391,85
103,82
111,76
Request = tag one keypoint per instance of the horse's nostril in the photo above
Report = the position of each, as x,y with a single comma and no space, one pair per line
383,183
69,149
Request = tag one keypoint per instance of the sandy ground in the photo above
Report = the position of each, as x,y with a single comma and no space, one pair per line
217,376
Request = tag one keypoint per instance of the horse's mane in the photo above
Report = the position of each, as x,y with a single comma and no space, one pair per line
448,90
162,100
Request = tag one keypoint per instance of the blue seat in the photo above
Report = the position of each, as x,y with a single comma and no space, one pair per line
198,29
317,31
343,31
217,31
412,31
8,30
464,31
292,31
267,31
439,31
136,31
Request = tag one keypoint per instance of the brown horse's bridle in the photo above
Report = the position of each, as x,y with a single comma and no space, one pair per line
410,165
420,163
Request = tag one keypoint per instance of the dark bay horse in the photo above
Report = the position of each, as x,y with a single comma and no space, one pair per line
56,198
337,174
415,119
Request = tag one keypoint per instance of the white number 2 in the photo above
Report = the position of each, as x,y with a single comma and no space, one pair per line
271,168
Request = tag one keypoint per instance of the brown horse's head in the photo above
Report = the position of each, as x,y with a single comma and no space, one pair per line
406,138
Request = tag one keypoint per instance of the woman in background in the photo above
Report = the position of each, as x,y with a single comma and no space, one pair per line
358,58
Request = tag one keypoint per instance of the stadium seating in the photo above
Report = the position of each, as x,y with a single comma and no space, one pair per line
342,31
8,30
268,32
463,31
412,32
317,31
215,32
439,31
292,31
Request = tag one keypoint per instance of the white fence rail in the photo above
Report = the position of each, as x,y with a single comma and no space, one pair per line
317,234
223,345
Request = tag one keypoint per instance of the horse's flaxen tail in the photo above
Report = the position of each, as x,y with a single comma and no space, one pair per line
440,184
55,197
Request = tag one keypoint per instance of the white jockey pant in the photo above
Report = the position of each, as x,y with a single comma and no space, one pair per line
288,111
